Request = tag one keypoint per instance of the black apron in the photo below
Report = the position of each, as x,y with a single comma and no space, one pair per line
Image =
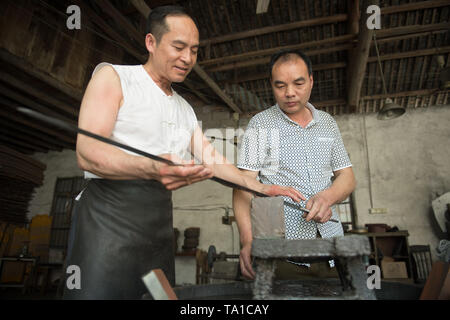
121,230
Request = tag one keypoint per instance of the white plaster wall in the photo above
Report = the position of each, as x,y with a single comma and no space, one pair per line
409,164
59,165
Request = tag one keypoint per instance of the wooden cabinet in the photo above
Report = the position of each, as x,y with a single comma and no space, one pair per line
393,245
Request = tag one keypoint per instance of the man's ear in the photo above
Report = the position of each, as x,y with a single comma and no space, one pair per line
312,80
150,42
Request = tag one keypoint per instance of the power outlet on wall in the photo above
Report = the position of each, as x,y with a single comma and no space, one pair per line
378,210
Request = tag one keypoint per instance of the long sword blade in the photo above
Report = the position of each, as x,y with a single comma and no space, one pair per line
73,128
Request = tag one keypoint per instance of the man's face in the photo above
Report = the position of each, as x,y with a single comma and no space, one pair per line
176,53
291,84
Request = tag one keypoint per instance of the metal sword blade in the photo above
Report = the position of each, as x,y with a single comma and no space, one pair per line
73,128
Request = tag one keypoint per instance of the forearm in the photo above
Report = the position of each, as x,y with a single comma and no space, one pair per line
342,186
112,163
229,172
241,207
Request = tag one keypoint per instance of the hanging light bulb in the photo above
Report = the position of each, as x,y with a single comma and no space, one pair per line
390,110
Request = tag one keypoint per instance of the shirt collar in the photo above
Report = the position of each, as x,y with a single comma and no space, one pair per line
146,76
314,112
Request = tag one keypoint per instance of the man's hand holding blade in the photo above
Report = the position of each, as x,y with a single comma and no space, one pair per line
182,173
319,208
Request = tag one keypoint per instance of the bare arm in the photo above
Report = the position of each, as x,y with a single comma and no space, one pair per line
98,114
241,207
320,204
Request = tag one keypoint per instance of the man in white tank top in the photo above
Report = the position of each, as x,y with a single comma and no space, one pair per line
136,105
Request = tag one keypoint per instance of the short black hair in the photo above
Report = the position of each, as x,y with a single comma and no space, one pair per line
156,21
287,55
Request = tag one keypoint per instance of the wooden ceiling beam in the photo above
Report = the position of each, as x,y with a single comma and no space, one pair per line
40,95
353,29
213,85
266,52
265,75
412,29
408,36
353,17
266,60
410,54
27,68
383,35
28,102
425,92
358,60
272,29
106,28
15,148
320,21
121,21
416,53
414,6
16,142
142,7
20,119
30,140
12,125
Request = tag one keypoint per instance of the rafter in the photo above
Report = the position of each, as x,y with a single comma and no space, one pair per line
358,60
274,29
21,85
24,101
120,19
266,60
414,6
13,116
266,52
15,126
411,54
27,68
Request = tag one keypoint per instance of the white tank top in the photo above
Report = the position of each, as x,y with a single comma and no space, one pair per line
150,120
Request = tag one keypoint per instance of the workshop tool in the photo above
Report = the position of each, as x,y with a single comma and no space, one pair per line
212,256
348,252
73,128
158,285
219,268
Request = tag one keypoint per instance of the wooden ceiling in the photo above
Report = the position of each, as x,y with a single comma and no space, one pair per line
46,67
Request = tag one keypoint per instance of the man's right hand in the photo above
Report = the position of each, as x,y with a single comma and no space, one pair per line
174,177
245,261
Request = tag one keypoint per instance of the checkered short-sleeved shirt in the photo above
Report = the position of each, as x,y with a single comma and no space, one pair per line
286,154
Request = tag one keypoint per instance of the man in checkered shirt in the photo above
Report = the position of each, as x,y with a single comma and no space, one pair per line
293,144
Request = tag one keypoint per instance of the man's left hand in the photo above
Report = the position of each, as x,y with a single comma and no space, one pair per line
273,190
319,208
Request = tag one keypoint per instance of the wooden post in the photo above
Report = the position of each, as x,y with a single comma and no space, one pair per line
358,59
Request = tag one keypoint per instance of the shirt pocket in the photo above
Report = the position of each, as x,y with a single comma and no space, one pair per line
322,153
